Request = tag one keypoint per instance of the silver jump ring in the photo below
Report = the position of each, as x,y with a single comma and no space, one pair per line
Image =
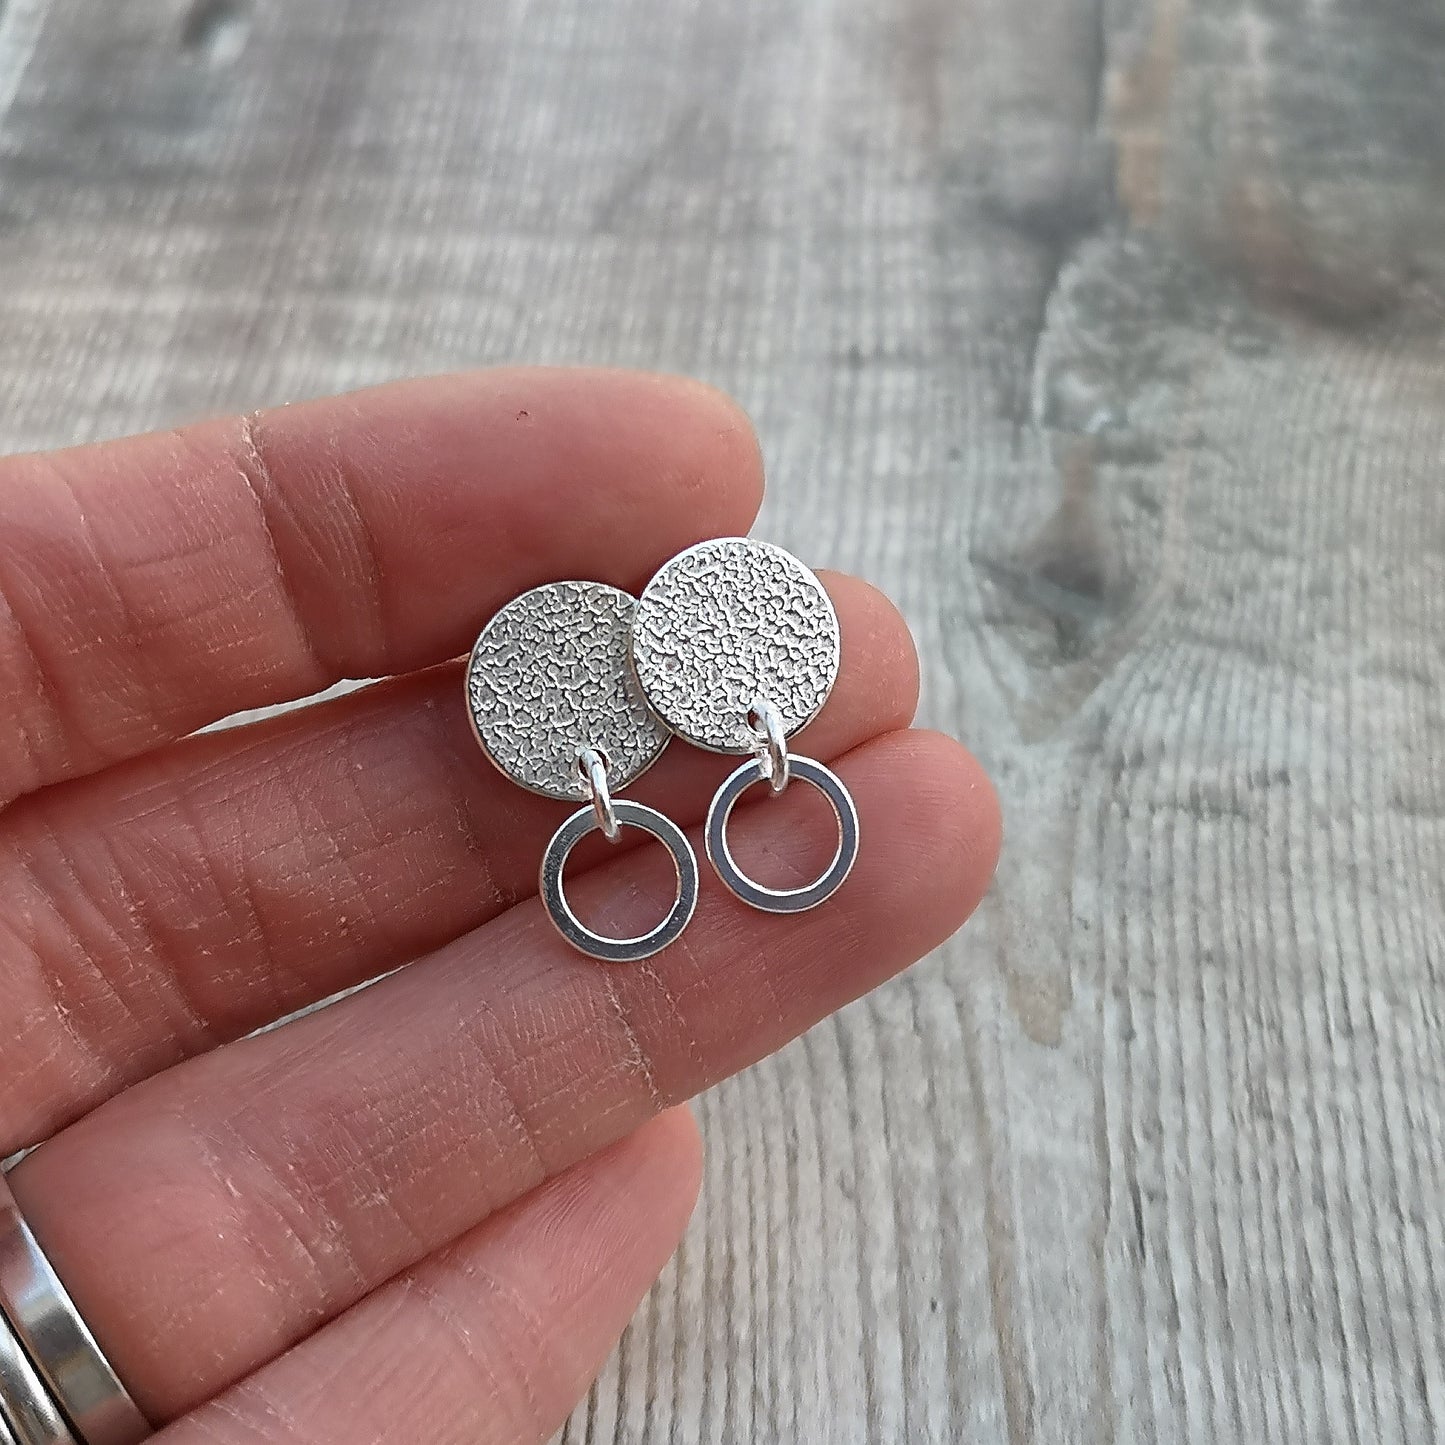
594,769
50,1329
26,1408
596,945
767,723
782,900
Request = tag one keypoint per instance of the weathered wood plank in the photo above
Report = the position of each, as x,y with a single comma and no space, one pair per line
1107,336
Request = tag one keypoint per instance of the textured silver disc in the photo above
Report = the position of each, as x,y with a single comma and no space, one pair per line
729,623
548,677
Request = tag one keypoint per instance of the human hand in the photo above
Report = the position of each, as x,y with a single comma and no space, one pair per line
426,1212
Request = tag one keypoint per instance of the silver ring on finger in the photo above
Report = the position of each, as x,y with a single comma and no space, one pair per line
56,1385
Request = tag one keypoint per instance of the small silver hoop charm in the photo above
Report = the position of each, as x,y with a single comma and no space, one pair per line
597,945
782,900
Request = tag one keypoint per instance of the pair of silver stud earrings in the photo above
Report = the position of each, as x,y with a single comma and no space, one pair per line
574,690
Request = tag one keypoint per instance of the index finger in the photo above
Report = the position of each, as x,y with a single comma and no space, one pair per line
153,585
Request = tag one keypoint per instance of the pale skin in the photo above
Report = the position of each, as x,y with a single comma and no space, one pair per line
428,1211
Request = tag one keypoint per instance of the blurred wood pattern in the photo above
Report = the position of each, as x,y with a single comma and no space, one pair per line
1109,337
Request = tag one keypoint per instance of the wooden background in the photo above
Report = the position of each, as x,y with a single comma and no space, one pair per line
1108,336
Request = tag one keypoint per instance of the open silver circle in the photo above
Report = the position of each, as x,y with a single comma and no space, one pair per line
597,945
782,900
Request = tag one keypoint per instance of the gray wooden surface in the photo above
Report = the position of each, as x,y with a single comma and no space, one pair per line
1109,337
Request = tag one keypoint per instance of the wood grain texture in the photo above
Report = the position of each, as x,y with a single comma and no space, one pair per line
1108,336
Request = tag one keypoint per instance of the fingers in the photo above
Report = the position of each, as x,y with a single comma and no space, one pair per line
200,892
495,1339
210,1217
153,585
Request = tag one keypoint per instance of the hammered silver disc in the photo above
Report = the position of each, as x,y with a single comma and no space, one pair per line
726,624
550,676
